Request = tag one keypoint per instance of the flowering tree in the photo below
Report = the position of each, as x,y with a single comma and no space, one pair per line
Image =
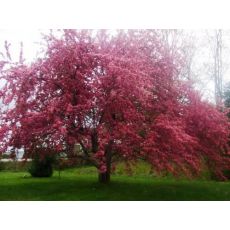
115,96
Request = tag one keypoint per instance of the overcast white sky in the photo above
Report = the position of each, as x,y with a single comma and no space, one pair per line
32,37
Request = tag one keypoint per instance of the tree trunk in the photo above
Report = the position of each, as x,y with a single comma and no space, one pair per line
104,178
94,140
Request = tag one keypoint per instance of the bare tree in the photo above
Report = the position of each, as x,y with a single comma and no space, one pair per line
218,75
181,42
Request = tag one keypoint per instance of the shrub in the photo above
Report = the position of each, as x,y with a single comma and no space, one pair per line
226,173
1,166
41,167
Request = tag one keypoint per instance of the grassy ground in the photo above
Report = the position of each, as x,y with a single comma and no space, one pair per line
81,184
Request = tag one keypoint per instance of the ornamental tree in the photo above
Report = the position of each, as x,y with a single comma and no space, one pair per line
116,96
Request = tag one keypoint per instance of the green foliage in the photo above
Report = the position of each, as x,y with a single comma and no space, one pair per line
15,166
1,166
227,174
140,168
5,156
227,95
62,163
227,104
41,167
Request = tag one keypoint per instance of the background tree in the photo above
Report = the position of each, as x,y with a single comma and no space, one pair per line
181,42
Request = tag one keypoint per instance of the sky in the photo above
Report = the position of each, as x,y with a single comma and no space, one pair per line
31,39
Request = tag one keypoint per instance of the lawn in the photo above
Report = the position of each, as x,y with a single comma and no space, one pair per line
81,184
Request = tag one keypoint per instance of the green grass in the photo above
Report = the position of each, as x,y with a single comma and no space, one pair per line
81,184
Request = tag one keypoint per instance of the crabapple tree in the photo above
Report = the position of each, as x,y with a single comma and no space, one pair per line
117,96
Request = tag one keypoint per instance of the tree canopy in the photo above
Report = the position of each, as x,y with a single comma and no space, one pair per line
117,96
